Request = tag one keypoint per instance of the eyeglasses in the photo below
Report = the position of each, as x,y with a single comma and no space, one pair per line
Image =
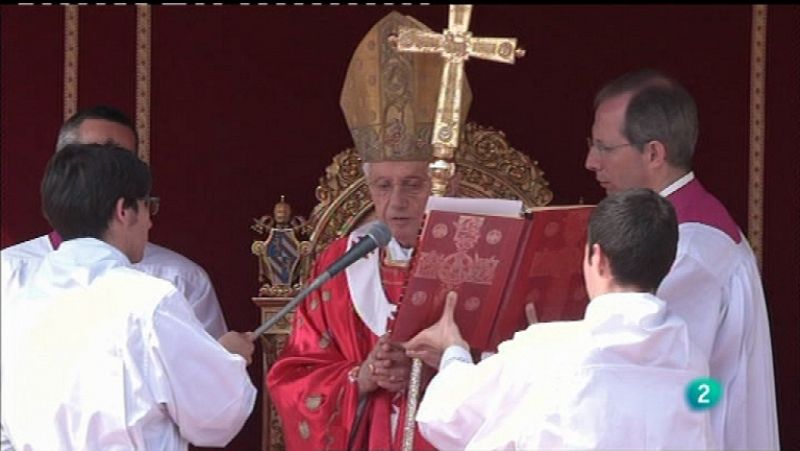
602,147
152,203
412,186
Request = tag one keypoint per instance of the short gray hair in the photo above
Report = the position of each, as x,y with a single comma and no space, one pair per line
68,134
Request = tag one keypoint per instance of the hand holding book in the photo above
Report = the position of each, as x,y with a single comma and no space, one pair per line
497,263
429,344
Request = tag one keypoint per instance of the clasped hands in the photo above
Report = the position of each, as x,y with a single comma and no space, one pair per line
388,364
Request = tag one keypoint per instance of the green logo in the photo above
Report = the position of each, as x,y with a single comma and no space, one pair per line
703,393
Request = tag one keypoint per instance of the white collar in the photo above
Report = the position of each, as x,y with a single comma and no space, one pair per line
677,184
366,288
633,307
397,252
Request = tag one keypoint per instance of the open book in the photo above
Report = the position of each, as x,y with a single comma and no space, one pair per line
497,258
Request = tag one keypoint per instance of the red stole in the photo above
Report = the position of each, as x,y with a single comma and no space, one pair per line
309,383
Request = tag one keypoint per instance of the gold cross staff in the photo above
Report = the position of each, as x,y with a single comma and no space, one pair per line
456,45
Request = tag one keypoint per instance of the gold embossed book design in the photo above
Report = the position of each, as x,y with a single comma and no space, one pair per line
496,264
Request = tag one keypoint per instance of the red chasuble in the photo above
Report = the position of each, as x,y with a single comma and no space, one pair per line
309,383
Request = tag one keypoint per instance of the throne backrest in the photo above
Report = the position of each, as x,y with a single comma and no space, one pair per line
487,164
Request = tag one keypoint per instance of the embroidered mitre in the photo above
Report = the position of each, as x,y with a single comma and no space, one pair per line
389,98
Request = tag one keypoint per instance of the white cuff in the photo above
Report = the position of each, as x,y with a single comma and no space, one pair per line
453,353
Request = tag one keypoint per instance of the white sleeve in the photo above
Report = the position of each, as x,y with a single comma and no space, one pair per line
203,299
454,353
693,292
206,390
191,280
460,400
12,273
715,287
5,276
5,440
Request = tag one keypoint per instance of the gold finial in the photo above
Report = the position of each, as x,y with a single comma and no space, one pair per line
282,212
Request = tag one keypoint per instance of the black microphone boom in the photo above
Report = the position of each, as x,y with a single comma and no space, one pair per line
378,235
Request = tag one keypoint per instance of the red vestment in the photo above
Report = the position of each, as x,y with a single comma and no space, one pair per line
309,383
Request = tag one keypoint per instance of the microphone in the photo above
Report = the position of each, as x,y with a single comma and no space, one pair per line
378,235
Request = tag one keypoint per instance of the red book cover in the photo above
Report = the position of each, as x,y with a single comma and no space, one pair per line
496,264
549,273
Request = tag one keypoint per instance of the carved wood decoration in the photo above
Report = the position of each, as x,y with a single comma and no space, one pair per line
271,344
488,167
491,168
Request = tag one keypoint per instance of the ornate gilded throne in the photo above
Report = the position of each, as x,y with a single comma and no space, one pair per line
488,167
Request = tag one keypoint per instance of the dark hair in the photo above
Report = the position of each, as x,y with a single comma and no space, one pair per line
82,184
68,134
660,109
638,231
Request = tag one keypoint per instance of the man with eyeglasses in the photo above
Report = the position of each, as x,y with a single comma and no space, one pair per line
98,355
644,135
338,383
102,124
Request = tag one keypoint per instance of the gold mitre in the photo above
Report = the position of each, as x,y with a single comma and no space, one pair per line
389,97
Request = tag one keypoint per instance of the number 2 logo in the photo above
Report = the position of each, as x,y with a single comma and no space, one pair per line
703,398
703,393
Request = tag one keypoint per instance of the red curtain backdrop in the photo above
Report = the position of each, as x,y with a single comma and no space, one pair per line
781,258
245,108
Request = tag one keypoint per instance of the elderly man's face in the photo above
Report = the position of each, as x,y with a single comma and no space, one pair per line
400,190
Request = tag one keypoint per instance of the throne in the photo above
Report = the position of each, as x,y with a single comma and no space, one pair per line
488,168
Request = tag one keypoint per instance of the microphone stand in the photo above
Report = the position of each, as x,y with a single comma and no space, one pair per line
362,404
378,235
324,277
266,325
